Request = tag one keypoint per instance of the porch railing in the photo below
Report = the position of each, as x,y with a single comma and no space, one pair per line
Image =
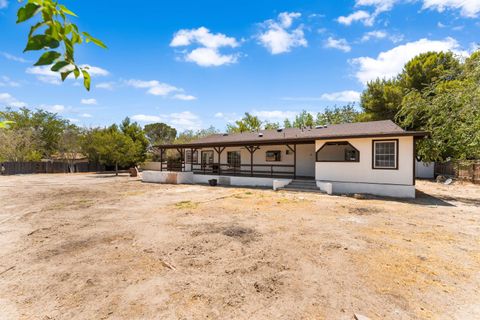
269,170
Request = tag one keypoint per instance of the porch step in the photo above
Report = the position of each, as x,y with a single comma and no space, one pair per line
302,185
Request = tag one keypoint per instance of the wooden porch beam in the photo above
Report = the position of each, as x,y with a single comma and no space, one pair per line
252,150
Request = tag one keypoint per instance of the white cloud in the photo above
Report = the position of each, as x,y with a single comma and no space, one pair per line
105,85
277,36
55,108
7,100
342,96
286,18
202,36
3,4
88,101
157,88
376,34
146,118
44,74
227,117
154,87
380,5
7,82
85,115
184,120
340,44
274,115
207,54
208,57
468,8
389,63
95,71
360,15
184,97
11,56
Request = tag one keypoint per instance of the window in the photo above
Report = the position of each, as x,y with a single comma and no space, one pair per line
188,156
273,155
385,154
340,151
233,158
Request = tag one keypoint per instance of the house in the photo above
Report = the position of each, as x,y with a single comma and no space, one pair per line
375,157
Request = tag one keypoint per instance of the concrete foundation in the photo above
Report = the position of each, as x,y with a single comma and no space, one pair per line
190,177
379,189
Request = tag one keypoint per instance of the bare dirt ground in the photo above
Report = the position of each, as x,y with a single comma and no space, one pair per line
99,247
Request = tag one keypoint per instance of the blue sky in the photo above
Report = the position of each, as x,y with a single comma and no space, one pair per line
198,63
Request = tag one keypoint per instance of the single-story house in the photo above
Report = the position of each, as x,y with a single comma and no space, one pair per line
376,157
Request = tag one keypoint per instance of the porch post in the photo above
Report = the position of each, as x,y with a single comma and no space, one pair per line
161,159
252,150
294,150
180,151
219,151
191,159
295,161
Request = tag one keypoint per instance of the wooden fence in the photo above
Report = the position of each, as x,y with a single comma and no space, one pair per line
467,170
49,167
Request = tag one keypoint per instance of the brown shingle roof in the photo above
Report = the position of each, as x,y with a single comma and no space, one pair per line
383,128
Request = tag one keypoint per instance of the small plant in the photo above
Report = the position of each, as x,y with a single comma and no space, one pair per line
186,205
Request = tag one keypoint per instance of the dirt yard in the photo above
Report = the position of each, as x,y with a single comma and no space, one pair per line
100,247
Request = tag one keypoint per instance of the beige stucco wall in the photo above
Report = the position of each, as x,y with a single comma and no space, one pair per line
305,158
362,172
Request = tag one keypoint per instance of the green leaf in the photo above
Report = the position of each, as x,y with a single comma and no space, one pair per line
86,79
6,124
76,72
35,27
64,75
59,65
27,12
41,41
48,58
67,11
94,40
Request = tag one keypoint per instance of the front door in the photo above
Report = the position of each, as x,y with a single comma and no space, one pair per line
207,159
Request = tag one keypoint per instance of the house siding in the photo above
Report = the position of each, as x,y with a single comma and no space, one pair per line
351,177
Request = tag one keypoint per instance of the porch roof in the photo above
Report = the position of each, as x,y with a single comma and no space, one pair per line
384,128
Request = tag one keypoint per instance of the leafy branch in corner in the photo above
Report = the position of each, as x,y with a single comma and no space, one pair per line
56,36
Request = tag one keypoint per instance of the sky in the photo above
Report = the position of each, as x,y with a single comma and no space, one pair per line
193,64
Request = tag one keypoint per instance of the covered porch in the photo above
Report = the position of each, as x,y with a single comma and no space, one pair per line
272,160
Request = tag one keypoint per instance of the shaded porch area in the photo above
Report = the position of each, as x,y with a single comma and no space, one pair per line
288,161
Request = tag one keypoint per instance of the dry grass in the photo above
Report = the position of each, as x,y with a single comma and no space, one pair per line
80,246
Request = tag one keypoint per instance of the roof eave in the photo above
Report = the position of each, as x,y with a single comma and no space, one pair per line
302,140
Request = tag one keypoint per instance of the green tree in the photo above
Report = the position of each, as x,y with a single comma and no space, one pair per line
110,146
47,127
51,29
381,100
449,109
271,125
136,133
159,133
345,114
70,145
428,68
287,123
248,123
303,120
18,145
191,135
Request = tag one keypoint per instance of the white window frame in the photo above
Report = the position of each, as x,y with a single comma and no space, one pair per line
374,154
